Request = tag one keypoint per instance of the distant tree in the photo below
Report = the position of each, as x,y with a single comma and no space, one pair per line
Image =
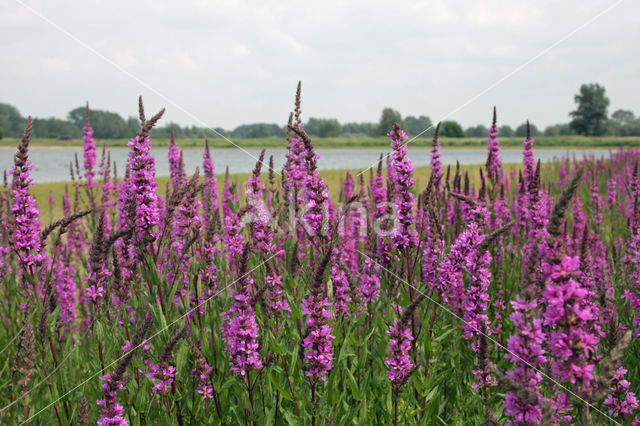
451,129
1,133
623,116
521,130
558,130
358,129
322,127
132,126
254,130
106,124
624,123
418,126
54,128
388,118
507,131
590,118
477,131
11,121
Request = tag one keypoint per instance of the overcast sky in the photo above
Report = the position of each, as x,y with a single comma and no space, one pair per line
223,63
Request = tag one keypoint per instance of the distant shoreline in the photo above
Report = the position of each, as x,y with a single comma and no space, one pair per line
555,142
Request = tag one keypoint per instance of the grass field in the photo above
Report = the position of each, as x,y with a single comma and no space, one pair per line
333,178
351,142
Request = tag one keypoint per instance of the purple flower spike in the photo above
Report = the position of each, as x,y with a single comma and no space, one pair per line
89,152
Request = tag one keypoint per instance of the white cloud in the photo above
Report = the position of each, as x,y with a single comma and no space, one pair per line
234,62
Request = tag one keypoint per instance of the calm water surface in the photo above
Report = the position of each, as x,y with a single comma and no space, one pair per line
52,165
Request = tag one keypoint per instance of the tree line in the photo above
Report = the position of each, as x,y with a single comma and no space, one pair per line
590,118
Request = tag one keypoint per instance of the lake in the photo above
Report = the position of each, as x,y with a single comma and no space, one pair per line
52,165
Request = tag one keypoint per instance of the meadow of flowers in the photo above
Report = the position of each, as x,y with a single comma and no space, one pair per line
504,297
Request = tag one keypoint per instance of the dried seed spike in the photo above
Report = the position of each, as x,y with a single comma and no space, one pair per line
584,246
82,419
297,110
22,157
258,167
611,363
135,343
77,162
520,389
165,356
467,183
528,130
63,223
494,236
272,177
407,313
463,197
553,227
318,275
379,172
87,118
495,118
436,135
143,119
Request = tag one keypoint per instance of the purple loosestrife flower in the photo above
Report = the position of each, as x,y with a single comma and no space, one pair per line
348,186
369,288
525,351
380,211
233,226
451,286
112,413
142,191
399,363
257,216
317,346
162,375
596,203
494,165
476,298
612,193
634,277
176,171
318,355
436,162
25,213
571,317
275,294
341,290
89,152
240,329
122,203
621,400
209,273
528,157
210,191
202,372
316,195
295,171
65,291
404,237
432,256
